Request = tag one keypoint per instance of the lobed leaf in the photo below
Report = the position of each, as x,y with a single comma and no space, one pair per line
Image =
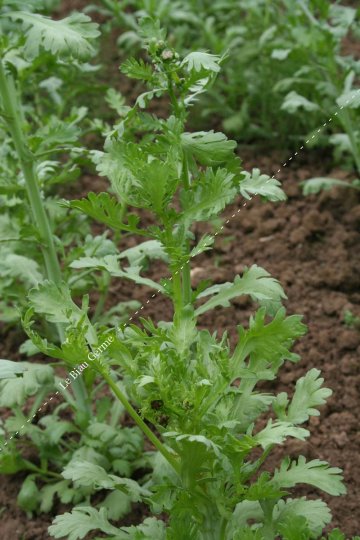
308,395
316,473
208,147
316,512
316,185
277,432
210,194
68,37
10,369
199,61
255,281
77,524
266,345
261,184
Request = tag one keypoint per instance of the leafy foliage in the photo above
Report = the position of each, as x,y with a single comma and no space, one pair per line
191,392
69,37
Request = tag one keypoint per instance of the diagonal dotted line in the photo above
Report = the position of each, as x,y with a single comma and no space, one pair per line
285,164
30,419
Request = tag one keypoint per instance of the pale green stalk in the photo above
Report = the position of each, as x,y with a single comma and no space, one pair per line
12,110
140,422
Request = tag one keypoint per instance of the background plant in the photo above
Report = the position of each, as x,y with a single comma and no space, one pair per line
286,70
41,150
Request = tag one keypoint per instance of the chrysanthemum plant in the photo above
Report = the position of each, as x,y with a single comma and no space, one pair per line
193,395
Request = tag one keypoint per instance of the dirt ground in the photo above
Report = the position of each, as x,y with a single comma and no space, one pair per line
312,246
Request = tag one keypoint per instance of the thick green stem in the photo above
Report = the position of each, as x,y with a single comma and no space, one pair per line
177,291
186,278
27,163
140,422
26,159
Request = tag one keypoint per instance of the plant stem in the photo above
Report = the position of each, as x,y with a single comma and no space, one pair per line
186,278
26,158
177,291
140,422
173,98
104,292
27,163
43,472
267,530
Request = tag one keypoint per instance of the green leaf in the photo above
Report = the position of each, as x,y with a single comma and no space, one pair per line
263,489
149,529
137,177
199,61
210,194
316,473
244,511
277,432
55,302
10,369
137,69
255,281
105,209
15,391
308,395
87,474
48,492
68,37
294,528
183,330
316,512
11,463
18,266
111,264
204,244
267,345
208,147
28,496
144,251
116,101
73,349
336,534
117,504
261,184
294,101
349,99
316,185
55,429
77,524
245,533
280,54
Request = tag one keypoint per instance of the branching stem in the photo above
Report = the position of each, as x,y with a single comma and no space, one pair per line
140,422
27,162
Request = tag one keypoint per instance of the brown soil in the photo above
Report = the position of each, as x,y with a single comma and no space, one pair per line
312,246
